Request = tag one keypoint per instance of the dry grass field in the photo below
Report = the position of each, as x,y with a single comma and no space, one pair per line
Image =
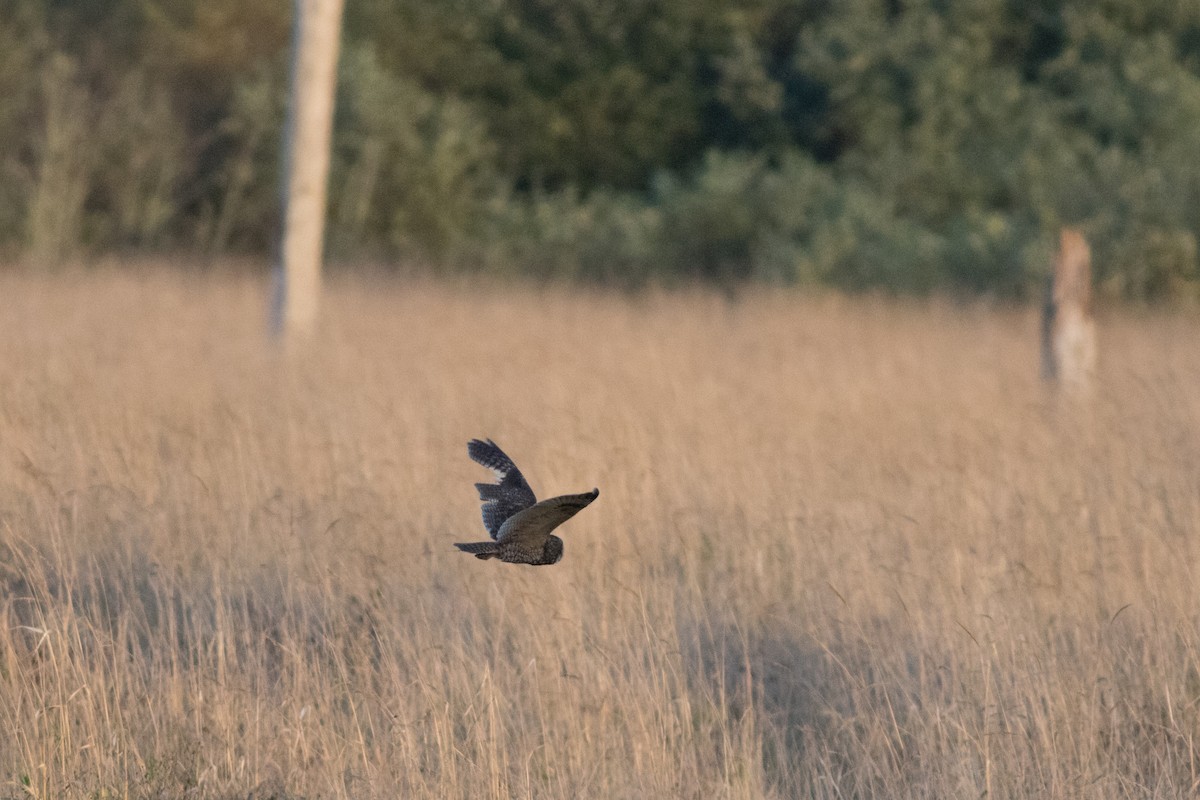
843,548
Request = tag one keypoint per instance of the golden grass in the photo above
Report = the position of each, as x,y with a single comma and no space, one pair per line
842,548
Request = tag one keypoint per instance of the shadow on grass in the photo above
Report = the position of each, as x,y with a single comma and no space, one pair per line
825,720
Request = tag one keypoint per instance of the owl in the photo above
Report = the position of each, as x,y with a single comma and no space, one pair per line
520,526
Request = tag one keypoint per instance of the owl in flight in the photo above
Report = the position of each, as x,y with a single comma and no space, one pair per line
520,526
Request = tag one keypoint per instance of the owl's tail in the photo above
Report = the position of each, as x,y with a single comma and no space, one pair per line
482,550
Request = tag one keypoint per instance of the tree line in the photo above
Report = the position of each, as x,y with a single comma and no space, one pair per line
903,145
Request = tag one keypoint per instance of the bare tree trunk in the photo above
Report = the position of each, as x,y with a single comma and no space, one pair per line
307,137
1068,327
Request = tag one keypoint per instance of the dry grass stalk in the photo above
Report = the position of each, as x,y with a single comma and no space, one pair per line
840,549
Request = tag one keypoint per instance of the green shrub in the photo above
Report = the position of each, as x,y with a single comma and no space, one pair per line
412,173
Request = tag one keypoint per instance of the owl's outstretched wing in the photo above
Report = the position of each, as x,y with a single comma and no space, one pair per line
534,524
509,495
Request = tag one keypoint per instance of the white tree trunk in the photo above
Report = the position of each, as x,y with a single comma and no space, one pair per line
306,145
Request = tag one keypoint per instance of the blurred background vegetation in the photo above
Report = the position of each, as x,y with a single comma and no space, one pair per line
906,145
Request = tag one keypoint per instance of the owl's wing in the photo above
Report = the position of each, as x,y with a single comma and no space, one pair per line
532,525
509,494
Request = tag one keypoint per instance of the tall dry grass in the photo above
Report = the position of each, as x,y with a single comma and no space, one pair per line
842,549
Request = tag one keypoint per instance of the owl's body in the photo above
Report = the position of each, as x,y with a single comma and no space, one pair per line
550,553
520,526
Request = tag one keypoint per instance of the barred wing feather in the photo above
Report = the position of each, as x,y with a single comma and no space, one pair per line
509,495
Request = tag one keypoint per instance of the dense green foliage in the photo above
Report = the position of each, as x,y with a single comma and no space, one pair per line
905,144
